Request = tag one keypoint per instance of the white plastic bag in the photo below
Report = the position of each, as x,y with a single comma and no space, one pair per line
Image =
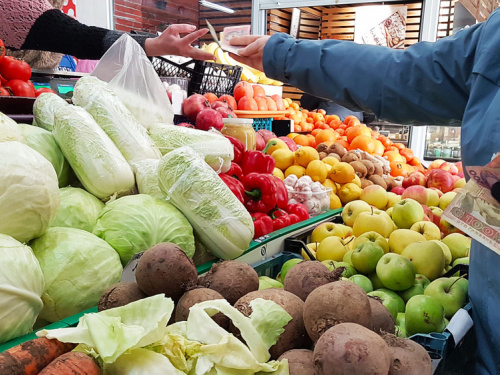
132,77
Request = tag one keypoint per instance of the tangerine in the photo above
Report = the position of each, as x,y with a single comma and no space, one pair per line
399,146
363,142
407,153
354,131
325,135
394,156
398,168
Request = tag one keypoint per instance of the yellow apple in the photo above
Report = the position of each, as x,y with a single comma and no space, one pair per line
373,237
313,247
375,195
377,221
446,251
427,257
352,209
459,183
446,199
331,248
389,212
428,229
432,198
400,238
324,230
393,198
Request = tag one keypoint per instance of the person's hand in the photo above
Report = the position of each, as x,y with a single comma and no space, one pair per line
253,51
172,42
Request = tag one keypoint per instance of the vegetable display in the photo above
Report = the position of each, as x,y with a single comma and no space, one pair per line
135,223
97,162
63,253
29,192
219,219
21,285
45,108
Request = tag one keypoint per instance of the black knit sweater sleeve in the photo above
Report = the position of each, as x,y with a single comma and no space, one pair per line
55,31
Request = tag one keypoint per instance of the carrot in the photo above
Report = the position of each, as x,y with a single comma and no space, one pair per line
30,357
72,363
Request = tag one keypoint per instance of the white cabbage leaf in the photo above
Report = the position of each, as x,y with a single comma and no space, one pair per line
44,109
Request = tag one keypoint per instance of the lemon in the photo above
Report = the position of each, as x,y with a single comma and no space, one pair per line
335,202
316,169
279,144
356,180
329,184
297,170
330,160
342,173
283,158
349,192
278,173
306,154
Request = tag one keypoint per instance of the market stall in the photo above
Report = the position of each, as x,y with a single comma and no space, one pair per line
137,223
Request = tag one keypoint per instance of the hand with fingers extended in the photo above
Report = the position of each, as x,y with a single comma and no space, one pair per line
253,51
176,40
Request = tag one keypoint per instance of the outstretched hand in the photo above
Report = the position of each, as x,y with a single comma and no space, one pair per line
253,51
176,40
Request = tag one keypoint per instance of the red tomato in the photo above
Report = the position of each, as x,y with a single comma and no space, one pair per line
4,92
11,68
21,88
41,90
3,81
2,49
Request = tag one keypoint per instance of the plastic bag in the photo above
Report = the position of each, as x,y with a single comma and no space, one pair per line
132,77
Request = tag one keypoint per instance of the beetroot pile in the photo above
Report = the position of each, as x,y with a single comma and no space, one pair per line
335,328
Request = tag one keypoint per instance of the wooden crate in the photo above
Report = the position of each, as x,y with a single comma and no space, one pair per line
480,9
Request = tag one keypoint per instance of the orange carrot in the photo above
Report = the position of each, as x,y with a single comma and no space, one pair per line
30,357
72,363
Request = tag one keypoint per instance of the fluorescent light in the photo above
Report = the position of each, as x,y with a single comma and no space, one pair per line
218,7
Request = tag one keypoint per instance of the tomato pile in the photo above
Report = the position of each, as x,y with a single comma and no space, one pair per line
15,77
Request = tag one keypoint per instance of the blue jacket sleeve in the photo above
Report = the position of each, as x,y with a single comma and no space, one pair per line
427,83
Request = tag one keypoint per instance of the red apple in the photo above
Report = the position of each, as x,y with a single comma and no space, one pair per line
226,112
398,190
461,174
266,134
290,143
261,144
426,218
459,166
414,178
449,167
437,190
193,105
416,192
436,216
428,213
186,125
455,178
436,163
209,118
440,179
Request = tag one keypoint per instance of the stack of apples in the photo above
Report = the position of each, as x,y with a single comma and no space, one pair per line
392,248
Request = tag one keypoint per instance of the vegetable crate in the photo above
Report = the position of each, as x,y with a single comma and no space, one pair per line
204,76
263,123
271,267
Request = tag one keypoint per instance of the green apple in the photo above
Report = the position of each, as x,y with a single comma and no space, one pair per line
432,198
407,212
400,319
372,237
463,282
427,257
401,331
395,272
362,281
366,256
348,268
400,238
389,211
325,230
387,300
352,209
459,245
446,251
375,195
392,200
422,280
395,296
424,314
446,199
373,221
464,260
331,248
414,290
449,293
377,284
287,265
347,257
428,229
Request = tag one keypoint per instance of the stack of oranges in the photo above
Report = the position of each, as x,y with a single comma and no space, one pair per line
351,134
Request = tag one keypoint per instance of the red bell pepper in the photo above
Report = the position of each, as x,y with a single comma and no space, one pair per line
281,219
235,171
298,209
262,223
235,186
258,161
260,192
239,148
281,193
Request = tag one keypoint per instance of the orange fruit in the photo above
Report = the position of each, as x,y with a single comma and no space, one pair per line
354,131
399,146
341,131
292,135
297,128
394,156
315,131
343,142
353,121
363,142
312,140
325,135
398,169
407,153
301,140
379,148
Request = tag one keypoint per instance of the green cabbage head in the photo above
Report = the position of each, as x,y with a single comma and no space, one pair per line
79,209
134,223
78,267
21,285
29,192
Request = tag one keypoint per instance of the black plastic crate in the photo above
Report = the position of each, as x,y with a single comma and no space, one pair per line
204,76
